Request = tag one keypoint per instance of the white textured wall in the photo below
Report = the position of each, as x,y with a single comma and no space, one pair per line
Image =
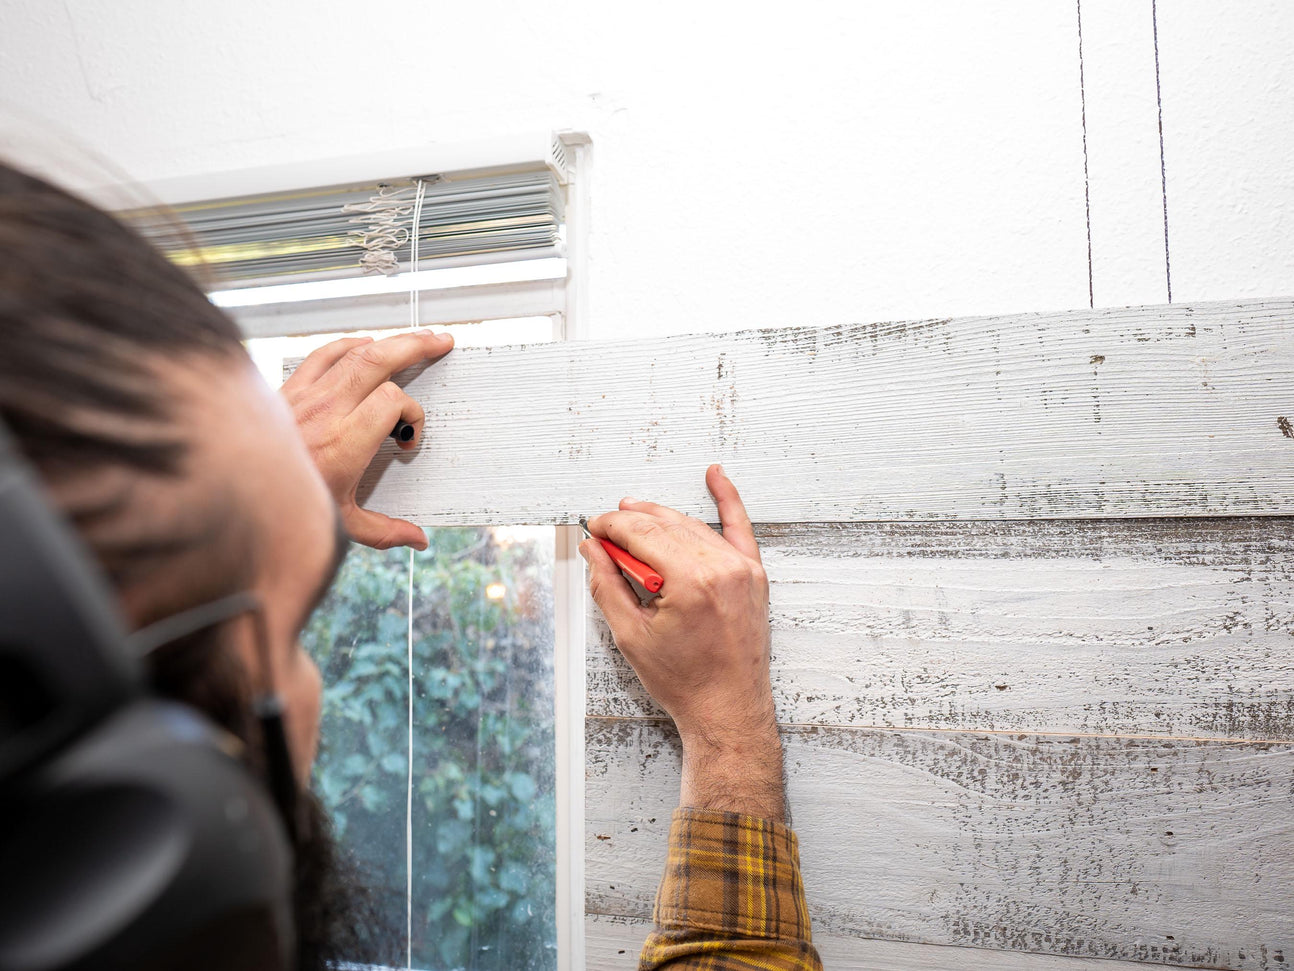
755,165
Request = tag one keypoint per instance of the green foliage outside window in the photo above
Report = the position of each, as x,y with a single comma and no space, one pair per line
483,781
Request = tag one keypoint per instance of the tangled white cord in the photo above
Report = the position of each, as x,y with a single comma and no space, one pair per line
385,221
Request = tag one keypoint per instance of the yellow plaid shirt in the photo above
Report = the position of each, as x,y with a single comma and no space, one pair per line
731,898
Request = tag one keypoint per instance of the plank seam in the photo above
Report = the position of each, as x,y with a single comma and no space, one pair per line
1015,733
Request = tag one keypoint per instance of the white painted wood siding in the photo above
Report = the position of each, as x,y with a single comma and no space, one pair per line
614,942
1129,627
1066,738
1173,410
1032,609
1164,850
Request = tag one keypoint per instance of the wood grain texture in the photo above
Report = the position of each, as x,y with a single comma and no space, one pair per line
1133,627
614,942
1167,851
1108,413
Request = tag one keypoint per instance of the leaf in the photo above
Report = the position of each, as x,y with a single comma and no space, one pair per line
355,764
512,877
452,836
482,862
522,786
394,763
438,908
453,941
372,797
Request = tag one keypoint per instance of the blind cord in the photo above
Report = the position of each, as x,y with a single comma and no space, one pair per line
408,805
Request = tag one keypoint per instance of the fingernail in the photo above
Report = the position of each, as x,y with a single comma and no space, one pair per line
721,471
629,499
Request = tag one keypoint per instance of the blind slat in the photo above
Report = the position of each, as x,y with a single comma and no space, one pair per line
317,234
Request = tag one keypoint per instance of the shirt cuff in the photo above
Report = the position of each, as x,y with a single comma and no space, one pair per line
735,874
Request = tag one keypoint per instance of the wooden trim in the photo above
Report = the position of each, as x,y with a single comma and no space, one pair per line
436,308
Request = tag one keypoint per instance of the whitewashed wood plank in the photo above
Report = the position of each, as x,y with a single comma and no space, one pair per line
614,942
1165,851
1166,627
1136,412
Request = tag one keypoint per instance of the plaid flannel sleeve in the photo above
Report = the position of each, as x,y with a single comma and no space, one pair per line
731,898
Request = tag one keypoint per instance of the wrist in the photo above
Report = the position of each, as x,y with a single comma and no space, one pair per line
735,769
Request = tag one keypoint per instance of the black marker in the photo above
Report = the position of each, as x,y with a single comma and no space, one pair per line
403,431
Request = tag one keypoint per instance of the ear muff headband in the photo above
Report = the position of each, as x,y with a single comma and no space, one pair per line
131,833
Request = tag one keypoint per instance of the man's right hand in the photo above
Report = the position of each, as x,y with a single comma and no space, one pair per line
701,648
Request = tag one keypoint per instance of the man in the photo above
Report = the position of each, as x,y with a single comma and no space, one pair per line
189,480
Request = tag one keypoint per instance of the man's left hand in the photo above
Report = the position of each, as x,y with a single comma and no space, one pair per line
346,404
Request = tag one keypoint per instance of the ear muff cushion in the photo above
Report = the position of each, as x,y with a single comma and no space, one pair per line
144,840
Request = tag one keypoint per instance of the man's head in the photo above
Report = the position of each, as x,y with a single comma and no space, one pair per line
180,469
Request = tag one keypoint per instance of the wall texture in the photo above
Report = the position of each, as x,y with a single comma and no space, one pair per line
1031,608
825,164
832,163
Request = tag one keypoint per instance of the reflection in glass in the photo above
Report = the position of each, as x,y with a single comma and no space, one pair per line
483,848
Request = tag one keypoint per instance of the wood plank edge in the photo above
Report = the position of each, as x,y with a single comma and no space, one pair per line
922,729
614,941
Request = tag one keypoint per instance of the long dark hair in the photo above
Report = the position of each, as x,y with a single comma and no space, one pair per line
89,313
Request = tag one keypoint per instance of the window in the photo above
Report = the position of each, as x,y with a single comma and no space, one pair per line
454,779
481,811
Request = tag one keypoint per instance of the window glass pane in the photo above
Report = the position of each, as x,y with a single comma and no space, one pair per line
483,811
484,754
359,638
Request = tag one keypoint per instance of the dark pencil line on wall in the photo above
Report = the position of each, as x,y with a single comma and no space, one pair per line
1087,182
1163,172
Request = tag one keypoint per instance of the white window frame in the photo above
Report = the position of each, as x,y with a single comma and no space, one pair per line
564,301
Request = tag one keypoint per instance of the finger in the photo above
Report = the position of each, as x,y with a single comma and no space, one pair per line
737,528
382,532
645,537
370,424
363,368
673,516
609,589
318,361
652,509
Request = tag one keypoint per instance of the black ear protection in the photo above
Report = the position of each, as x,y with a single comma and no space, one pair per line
131,833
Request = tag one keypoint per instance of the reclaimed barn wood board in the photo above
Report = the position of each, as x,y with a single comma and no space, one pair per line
1173,410
1132,627
614,942
1171,851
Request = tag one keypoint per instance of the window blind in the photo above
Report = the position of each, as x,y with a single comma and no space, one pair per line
339,231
